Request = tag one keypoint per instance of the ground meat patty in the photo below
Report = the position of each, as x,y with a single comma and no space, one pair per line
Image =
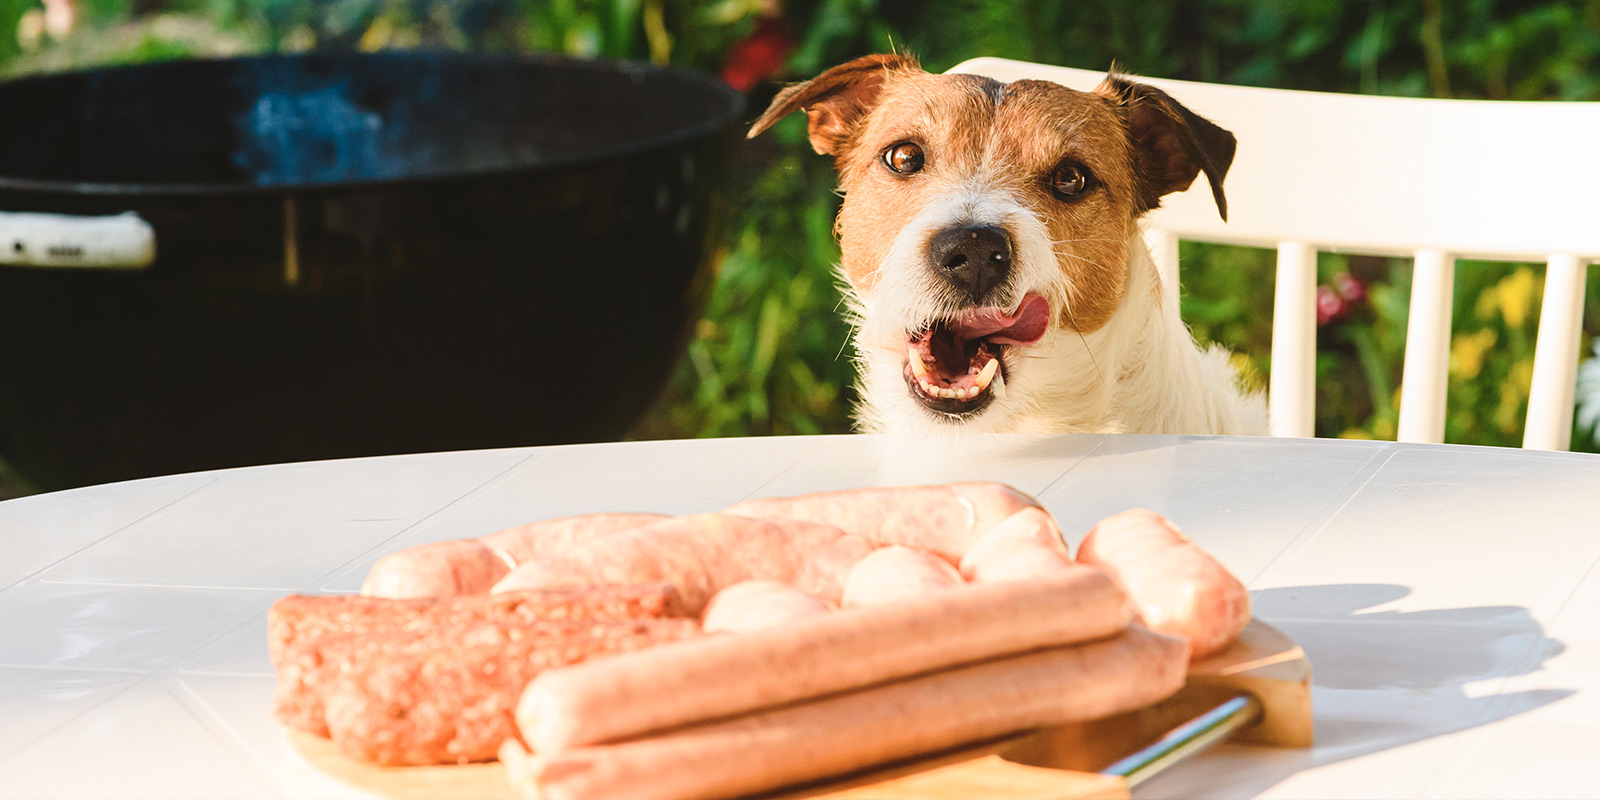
314,640
450,696
298,618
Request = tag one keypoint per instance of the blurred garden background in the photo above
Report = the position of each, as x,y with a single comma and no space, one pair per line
771,355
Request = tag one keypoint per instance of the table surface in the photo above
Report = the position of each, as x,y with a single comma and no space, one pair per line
1447,596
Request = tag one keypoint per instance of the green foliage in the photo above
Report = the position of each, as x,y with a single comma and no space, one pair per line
11,13
1478,48
1495,310
772,353
683,32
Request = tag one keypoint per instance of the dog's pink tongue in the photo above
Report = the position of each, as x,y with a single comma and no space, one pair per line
1024,327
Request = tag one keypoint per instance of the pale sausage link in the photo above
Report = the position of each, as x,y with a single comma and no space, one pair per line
896,574
1027,544
435,569
943,519
472,566
701,555
538,539
720,676
757,605
858,729
1177,587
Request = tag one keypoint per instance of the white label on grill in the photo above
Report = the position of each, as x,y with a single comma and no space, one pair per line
123,241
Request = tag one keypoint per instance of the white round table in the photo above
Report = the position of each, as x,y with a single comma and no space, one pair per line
1447,596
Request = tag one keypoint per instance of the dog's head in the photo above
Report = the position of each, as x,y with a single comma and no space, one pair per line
984,220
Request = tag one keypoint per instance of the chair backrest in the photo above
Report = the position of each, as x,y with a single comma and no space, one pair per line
1434,179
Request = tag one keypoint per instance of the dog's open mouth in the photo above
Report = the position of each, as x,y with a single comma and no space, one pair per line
954,366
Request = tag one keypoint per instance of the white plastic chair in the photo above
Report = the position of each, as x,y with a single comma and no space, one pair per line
1433,179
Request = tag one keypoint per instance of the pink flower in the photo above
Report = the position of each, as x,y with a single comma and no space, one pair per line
1330,306
1341,299
1349,288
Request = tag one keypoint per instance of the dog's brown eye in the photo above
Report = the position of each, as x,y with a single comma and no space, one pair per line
904,158
1069,180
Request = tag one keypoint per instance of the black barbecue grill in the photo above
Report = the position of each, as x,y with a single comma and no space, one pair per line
216,263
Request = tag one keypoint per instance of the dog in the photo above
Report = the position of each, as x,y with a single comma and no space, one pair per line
992,257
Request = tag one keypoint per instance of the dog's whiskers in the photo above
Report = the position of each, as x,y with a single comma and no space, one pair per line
854,331
1086,348
1091,262
1058,242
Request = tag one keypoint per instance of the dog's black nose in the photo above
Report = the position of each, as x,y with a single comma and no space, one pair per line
973,258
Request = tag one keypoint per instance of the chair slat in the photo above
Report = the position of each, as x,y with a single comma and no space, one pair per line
1428,206
1555,360
1381,175
1291,396
1427,361
1163,246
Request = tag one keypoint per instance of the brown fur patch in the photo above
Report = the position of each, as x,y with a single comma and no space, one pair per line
1008,138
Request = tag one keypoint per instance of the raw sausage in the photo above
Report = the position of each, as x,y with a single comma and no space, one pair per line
436,569
1176,587
701,555
719,676
756,604
1012,560
943,519
536,540
472,566
1027,544
838,734
895,573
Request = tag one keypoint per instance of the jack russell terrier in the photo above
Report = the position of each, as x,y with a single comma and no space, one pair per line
993,257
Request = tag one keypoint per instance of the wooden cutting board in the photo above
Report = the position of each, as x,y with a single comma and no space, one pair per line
1060,762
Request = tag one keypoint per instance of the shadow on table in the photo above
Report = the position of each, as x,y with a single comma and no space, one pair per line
1382,680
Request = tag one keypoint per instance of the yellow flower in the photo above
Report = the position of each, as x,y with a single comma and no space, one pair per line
1512,298
1513,395
1467,351
1385,429
378,35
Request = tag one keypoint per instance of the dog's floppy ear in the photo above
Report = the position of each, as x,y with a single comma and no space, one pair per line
1171,144
834,100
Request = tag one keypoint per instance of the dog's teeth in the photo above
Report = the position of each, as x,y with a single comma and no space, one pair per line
950,392
918,368
987,375
999,386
